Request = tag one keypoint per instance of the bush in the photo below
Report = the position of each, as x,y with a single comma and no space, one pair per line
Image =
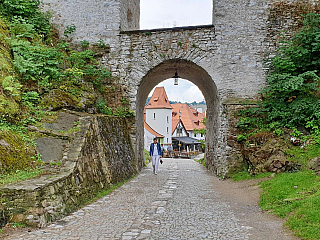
29,11
293,82
291,97
102,107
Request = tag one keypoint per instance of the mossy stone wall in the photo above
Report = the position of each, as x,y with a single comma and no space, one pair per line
99,155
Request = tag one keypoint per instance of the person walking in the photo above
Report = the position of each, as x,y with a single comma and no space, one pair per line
170,148
156,154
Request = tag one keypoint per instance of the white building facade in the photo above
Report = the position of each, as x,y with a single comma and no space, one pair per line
160,120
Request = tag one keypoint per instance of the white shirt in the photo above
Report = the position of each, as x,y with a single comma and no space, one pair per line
155,150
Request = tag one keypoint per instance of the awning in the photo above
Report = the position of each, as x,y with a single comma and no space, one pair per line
186,140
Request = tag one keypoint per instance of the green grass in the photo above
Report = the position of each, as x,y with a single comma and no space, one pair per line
245,175
201,161
105,192
296,197
303,155
18,225
55,163
146,157
19,175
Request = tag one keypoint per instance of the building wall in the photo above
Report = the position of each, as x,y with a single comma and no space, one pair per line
183,134
198,135
148,139
160,123
200,108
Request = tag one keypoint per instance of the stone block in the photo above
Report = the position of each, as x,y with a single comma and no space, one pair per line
17,218
317,165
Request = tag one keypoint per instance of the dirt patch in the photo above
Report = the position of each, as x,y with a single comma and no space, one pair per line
246,191
244,197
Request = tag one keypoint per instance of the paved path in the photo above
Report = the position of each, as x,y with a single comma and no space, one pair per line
178,203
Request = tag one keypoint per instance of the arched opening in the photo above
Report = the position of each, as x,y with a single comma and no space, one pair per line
174,113
195,74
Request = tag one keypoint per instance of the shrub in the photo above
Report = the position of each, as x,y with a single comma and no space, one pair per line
102,107
291,97
29,11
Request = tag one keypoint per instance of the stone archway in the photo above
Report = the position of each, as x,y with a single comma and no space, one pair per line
197,75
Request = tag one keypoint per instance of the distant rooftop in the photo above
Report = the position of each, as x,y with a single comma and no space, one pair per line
159,99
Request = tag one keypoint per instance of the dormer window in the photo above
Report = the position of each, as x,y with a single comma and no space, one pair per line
156,99
174,114
197,123
196,114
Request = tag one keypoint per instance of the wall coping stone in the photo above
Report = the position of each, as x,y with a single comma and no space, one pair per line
174,29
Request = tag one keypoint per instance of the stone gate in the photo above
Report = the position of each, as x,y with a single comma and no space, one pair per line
225,60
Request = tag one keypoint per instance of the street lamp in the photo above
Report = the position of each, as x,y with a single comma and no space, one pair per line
176,77
180,130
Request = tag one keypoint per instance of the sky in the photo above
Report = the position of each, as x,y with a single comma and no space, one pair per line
176,13
185,92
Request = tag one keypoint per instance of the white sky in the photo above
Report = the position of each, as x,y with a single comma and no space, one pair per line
176,13
185,92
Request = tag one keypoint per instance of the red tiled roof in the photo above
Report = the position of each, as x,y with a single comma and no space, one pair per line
153,132
159,99
190,117
174,124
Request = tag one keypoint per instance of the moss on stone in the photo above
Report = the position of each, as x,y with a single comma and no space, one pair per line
6,67
58,99
8,106
14,154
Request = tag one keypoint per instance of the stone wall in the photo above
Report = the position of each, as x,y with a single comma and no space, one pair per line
99,155
130,15
225,60
229,150
94,19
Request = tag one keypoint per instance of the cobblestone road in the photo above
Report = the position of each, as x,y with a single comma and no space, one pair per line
178,203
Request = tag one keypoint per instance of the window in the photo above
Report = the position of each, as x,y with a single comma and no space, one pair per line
167,129
195,135
179,130
154,115
201,134
167,140
167,119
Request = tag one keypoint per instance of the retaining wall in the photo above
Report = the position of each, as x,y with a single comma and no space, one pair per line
97,156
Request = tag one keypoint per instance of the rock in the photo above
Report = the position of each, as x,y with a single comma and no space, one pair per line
316,165
278,164
269,156
303,130
4,218
57,99
16,218
50,149
33,128
4,143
